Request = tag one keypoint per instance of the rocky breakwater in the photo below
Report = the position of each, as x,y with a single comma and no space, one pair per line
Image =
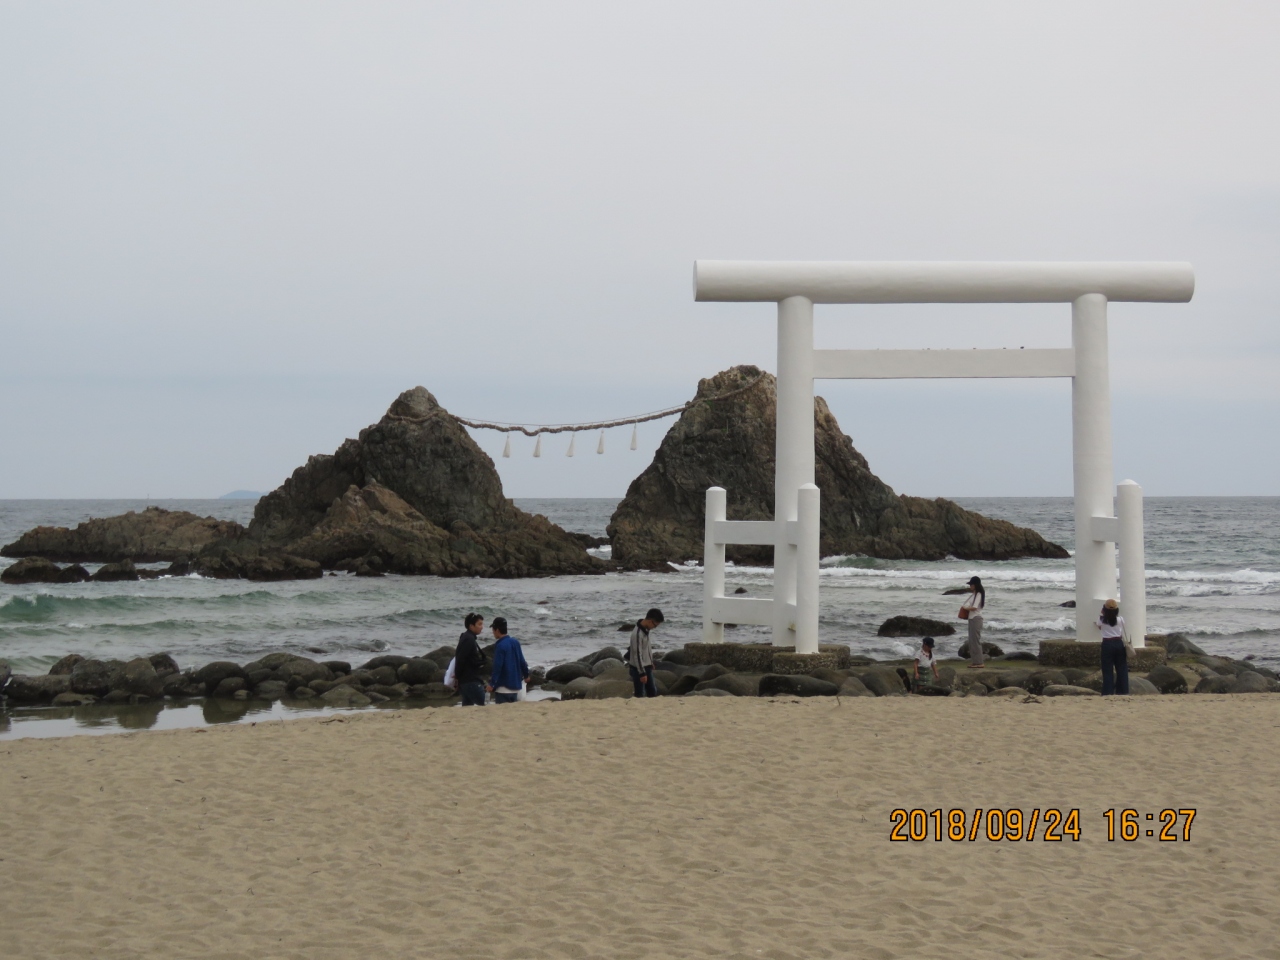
412,494
77,681
730,443
698,669
727,669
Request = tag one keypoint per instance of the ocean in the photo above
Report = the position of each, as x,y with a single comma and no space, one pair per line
1213,574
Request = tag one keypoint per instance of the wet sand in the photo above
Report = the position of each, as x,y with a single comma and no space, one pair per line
690,827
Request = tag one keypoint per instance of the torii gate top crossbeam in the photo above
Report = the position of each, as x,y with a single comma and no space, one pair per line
940,281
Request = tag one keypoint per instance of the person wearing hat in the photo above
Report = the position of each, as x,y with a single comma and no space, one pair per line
1115,658
972,611
640,654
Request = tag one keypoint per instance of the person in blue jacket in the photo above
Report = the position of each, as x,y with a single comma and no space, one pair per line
510,672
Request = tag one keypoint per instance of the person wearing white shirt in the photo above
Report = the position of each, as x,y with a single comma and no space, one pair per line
972,610
1115,658
926,659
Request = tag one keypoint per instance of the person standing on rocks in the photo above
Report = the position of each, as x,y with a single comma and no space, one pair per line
925,658
1115,658
469,662
972,611
510,672
640,654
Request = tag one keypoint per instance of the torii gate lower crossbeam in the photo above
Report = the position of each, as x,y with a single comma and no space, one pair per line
796,287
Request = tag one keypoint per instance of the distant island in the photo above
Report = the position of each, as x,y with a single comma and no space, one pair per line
242,495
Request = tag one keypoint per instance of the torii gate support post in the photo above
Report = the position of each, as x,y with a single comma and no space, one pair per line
794,459
1133,561
713,564
1091,448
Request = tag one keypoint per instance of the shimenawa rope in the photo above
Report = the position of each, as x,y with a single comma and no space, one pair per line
534,429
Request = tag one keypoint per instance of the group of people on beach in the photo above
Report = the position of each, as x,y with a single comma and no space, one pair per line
1115,645
508,676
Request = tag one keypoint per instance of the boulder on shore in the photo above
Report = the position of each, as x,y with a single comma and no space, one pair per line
1177,644
729,443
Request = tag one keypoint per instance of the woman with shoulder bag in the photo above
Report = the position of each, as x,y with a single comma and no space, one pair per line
972,611
1115,654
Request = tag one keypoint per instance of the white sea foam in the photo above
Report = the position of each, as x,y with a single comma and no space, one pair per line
1211,589
1059,625
1247,575
1195,630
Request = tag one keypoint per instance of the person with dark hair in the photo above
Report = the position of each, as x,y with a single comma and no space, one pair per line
469,662
1115,658
510,672
972,610
925,658
640,654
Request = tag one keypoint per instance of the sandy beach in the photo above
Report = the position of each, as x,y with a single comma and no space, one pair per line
681,827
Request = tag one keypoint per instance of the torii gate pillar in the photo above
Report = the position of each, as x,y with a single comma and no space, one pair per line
793,466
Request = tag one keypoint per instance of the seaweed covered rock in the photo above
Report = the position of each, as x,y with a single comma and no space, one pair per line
726,438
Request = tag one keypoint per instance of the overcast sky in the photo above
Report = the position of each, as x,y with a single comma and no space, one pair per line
231,233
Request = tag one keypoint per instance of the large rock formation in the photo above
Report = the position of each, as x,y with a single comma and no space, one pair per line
730,443
414,494
147,537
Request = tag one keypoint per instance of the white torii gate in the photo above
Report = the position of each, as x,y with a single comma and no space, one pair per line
794,531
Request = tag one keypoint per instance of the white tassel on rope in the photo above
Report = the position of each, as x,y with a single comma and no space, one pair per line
506,449
634,428
537,447
573,439
600,445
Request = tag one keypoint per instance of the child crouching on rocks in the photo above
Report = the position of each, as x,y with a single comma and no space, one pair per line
925,658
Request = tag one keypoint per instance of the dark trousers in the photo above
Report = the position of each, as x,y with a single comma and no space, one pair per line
505,697
1115,667
645,687
472,694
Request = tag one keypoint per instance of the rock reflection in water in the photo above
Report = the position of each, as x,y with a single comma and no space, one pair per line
228,711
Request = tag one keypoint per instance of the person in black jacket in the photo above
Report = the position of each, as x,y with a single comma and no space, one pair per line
469,663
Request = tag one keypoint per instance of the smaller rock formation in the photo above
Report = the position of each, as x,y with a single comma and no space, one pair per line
109,572
32,570
147,537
